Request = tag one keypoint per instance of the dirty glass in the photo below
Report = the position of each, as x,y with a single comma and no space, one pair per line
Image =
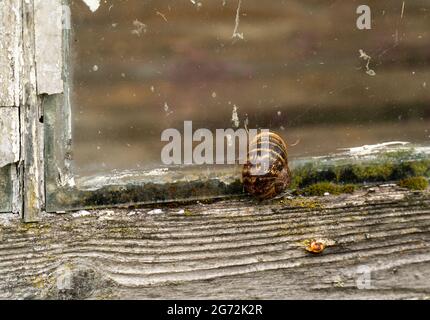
327,76
301,68
5,189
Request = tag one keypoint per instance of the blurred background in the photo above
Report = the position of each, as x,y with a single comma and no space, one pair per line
142,66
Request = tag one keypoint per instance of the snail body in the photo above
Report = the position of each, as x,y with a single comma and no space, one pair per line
266,173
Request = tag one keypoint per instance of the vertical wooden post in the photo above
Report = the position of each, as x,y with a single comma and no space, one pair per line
31,170
10,61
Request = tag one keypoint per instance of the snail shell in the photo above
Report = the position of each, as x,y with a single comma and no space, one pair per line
316,246
273,177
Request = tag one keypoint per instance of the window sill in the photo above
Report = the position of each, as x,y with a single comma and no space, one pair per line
226,249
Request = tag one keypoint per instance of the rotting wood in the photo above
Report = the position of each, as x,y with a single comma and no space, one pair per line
31,169
9,136
228,249
10,30
10,63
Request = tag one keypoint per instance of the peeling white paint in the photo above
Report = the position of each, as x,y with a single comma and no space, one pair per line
158,172
10,30
366,152
9,136
49,42
92,4
155,211
371,149
80,214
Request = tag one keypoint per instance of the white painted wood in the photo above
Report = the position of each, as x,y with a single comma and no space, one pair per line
10,30
9,136
31,128
48,45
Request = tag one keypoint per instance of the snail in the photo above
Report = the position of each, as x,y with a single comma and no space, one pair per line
265,173
316,246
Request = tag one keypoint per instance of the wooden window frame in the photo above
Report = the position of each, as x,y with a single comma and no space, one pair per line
39,166
63,190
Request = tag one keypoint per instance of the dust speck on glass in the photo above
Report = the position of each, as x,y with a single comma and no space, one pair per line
304,69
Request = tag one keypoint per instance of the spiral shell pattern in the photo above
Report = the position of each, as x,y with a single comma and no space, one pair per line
266,173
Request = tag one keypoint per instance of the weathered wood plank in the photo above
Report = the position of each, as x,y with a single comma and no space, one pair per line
31,124
10,93
10,30
228,249
9,156
48,46
9,135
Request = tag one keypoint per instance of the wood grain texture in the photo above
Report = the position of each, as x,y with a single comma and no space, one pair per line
229,249
48,45
32,128
10,98
10,30
9,136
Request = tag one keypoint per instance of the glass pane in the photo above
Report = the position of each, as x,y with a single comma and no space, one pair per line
143,66
300,68
5,189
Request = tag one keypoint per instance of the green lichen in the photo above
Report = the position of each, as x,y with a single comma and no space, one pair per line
414,183
322,188
34,228
302,203
188,213
125,232
38,282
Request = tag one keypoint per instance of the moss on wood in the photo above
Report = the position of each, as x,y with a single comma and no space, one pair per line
391,166
314,178
323,188
414,183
